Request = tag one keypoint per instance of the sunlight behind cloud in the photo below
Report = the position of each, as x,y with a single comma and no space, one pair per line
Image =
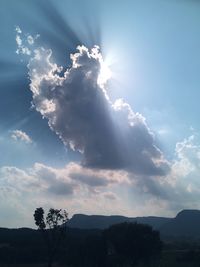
105,73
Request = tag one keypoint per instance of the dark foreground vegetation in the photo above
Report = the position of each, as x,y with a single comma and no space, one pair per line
124,244
121,245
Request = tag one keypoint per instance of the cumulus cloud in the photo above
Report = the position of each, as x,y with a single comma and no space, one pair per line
77,107
184,176
19,135
59,181
181,187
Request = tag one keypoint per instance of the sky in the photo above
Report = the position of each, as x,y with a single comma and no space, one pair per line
99,107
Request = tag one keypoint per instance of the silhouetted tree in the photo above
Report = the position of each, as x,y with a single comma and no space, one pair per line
131,243
53,228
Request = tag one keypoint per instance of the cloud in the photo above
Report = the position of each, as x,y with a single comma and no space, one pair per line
110,191
91,180
18,30
54,181
181,187
45,186
19,135
110,195
186,166
95,177
59,181
29,40
77,106
184,177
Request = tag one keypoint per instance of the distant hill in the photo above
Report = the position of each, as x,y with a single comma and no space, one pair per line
101,222
185,225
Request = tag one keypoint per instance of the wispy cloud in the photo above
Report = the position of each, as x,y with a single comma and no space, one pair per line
28,39
19,135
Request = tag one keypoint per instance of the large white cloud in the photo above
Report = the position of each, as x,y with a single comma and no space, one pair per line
77,106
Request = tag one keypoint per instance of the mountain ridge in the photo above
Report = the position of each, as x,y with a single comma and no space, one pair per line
84,221
185,224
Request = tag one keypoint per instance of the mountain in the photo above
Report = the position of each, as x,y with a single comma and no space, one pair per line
101,222
186,224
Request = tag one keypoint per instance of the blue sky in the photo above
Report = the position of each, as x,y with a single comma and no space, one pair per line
125,157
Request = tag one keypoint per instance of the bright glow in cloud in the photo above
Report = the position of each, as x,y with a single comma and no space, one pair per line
105,73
